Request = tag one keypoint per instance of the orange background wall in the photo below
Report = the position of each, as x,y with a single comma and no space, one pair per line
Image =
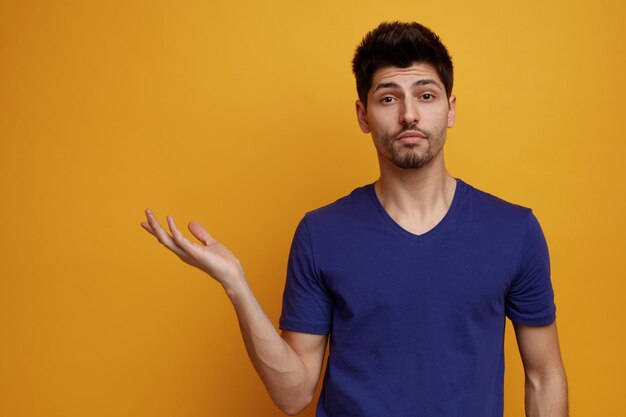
241,115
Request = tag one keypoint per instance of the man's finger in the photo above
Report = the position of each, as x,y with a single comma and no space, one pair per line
159,232
147,227
162,236
179,239
200,233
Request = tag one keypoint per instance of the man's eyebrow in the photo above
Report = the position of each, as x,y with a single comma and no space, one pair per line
426,81
417,83
386,85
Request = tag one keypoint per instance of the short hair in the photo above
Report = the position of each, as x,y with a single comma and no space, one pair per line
400,45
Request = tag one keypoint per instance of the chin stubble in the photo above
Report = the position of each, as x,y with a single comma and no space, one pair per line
409,159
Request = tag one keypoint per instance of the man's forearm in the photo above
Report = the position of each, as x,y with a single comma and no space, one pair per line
546,396
283,372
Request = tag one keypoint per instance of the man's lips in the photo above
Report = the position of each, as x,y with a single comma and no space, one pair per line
409,137
411,134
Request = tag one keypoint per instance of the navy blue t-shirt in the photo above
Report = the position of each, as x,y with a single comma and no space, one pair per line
416,322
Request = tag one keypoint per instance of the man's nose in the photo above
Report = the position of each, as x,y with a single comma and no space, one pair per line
409,113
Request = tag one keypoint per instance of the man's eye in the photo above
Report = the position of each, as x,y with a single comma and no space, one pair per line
427,96
387,100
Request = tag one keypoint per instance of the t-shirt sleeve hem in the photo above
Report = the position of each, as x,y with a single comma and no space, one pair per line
297,326
534,321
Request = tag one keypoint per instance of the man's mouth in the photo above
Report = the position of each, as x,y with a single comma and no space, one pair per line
410,137
411,134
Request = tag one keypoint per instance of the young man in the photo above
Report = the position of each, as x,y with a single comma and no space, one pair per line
411,276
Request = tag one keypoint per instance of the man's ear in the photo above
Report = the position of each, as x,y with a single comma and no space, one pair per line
361,115
451,111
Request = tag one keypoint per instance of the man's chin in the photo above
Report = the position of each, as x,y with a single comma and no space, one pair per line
411,159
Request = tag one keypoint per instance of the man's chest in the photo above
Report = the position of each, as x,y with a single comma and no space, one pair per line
395,278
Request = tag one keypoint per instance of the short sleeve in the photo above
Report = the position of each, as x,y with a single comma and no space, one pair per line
530,298
307,305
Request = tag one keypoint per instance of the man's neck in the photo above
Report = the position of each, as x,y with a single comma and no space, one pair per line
417,199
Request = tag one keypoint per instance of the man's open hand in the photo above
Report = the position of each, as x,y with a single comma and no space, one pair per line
209,256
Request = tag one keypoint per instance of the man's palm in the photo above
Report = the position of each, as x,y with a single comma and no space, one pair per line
209,255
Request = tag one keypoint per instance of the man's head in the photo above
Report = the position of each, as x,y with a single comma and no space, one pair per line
399,45
404,81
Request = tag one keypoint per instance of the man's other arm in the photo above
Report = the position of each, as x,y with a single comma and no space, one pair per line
546,384
289,364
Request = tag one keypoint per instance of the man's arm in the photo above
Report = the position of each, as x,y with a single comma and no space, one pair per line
546,384
289,364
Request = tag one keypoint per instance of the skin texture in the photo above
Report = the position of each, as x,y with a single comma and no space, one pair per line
407,102
408,116
546,384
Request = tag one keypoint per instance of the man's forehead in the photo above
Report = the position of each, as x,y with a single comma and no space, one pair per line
406,75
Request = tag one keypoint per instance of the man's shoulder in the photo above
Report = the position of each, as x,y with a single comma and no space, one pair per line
355,204
483,203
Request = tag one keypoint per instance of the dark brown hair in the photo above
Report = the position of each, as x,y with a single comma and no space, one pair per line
400,45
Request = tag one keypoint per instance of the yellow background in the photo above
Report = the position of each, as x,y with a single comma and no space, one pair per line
241,115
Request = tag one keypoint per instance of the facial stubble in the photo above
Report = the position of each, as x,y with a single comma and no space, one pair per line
408,156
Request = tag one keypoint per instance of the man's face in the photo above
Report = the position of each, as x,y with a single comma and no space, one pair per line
408,114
